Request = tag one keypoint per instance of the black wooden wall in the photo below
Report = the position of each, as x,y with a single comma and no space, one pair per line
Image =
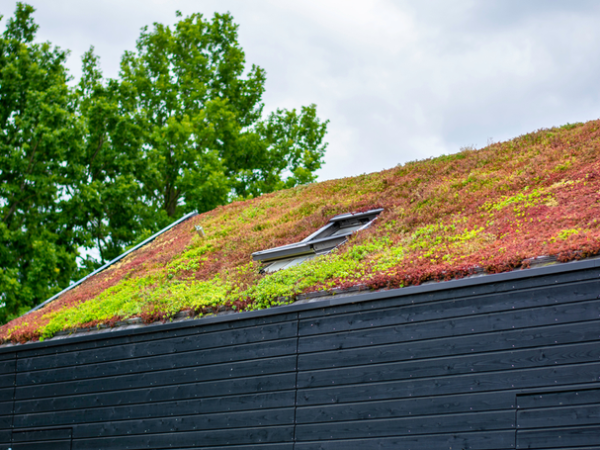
497,362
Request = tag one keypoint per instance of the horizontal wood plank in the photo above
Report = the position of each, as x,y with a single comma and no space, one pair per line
517,319
179,408
558,437
213,422
478,363
7,420
5,436
222,388
472,383
278,446
7,380
167,346
560,398
452,308
153,332
405,426
257,367
559,417
9,355
42,435
198,358
44,445
7,394
236,436
8,366
407,407
449,346
6,407
495,286
489,440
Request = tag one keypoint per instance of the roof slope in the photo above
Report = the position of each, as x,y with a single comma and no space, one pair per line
478,210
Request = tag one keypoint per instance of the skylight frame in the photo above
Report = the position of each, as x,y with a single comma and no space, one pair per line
322,241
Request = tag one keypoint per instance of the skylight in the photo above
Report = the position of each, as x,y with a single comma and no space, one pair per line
320,242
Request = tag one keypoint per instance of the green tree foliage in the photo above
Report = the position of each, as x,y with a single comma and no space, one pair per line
40,133
108,201
96,167
288,149
201,113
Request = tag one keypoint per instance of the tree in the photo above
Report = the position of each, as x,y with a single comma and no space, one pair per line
40,131
87,171
108,200
205,141
288,149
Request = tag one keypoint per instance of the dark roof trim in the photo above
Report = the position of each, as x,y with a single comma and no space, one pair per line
110,263
371,212
323,303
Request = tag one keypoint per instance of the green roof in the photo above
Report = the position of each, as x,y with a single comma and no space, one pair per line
490,210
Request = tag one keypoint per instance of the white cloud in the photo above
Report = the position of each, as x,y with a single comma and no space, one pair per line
399,80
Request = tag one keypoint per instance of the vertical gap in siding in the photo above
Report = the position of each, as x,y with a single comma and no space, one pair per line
296,378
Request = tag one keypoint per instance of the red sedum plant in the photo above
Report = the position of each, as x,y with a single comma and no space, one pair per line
490,210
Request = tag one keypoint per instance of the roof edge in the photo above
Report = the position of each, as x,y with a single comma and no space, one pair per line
317,303
110,263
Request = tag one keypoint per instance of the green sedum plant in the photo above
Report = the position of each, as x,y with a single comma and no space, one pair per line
435,226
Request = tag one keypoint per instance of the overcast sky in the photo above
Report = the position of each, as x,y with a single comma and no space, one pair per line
399,80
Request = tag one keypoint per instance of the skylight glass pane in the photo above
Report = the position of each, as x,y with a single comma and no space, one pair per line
299,260
348,230
277,265
285,263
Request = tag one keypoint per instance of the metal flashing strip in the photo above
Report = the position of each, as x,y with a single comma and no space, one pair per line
371,212
110,263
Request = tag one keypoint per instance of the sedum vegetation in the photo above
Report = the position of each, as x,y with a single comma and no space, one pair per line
488,210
